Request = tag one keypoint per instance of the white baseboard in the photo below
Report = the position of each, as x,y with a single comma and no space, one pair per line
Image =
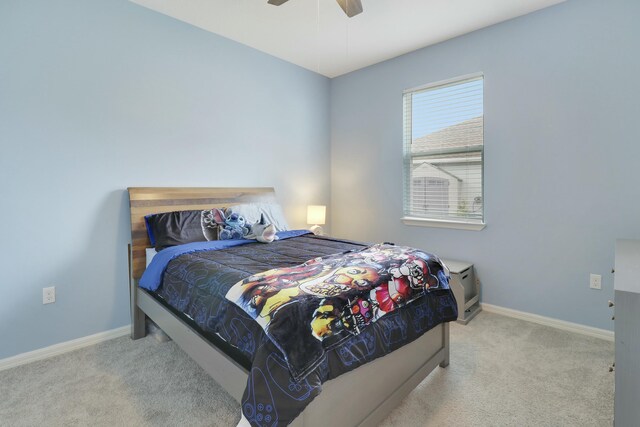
65,347
549,321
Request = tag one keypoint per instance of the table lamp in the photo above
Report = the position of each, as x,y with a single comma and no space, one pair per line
316,216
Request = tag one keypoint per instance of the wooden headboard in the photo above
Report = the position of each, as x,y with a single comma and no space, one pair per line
148,200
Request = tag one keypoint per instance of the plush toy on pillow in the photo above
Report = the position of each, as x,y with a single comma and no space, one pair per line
234,226
262,232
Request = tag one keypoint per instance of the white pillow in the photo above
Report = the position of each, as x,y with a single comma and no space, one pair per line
272,214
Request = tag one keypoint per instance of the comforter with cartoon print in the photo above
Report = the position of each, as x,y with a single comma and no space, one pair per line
312,307
353,305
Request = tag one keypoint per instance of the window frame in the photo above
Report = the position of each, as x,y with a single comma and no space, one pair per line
408,158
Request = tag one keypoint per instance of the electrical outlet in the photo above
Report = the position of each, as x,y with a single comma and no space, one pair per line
49,295
595,281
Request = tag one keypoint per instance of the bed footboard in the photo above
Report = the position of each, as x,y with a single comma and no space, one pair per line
386,382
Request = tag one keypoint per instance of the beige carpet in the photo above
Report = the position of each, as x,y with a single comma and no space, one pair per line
503,372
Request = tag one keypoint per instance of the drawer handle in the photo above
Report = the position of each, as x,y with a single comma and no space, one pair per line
465,276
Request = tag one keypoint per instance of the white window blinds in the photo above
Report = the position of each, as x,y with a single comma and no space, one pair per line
443,151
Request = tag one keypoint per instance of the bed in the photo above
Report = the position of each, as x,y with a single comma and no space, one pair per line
385,380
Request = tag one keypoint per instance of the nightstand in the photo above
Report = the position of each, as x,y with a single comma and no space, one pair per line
465,288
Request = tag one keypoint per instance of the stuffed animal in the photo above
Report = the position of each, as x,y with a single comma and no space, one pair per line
262,232
234,226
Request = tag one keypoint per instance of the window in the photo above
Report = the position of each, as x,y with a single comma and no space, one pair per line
443,154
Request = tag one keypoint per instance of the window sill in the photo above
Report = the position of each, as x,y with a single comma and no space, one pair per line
437,223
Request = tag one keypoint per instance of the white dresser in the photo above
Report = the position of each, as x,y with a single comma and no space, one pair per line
627,330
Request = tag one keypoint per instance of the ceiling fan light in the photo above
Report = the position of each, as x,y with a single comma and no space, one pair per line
277,2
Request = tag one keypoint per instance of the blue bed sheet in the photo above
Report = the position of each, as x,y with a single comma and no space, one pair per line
152,276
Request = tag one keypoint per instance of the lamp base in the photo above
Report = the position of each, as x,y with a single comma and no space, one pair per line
317,230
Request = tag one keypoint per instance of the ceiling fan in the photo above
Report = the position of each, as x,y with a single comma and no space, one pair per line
350,7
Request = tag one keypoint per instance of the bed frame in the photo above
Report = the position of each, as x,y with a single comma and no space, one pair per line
387,380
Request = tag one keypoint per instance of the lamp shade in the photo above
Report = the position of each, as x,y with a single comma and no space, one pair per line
316,214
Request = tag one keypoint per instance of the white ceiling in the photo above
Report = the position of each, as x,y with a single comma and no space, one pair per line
317,35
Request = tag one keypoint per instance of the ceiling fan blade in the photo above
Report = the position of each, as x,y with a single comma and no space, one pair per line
277,2
350,7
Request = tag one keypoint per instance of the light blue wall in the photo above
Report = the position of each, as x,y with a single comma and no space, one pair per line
96,96
562,161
